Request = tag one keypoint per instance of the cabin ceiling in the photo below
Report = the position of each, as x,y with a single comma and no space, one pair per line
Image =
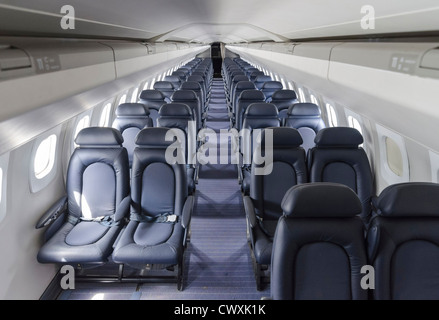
207,21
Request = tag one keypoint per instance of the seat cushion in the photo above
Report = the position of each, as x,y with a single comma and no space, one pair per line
86,232
93,249
143,243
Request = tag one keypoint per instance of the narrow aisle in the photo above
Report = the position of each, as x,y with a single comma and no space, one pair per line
218,262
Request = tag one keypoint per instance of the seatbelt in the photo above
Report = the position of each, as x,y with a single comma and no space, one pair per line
261,225
167,217
103,220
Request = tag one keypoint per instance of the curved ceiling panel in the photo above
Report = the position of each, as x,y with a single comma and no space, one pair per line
220,20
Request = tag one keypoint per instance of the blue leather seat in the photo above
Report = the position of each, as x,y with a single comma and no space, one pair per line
160,208
283,99
181,74
200,80
189,98
270,87
306,118
319,246
255,74
246,98
165,87
257,117
260,80
239,88
84,224
235,81
403,242
179,116
195,87
249,71
153,100
267,189
338,158
130,119
175,80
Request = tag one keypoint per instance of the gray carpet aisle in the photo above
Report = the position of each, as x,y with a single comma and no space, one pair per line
218,263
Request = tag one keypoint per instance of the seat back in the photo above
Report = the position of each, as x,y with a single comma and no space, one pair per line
130,119
338,158
283,99
235,81
270,87
403,242
153,100
239,88
179,116
306,118
246,98
195,87
181,74
174,79
318,247
257,117
157,186
189,98
165,87
255,74
98,176
260,80
288,169
200,80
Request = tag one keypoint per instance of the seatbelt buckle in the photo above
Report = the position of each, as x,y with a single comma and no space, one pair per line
171,218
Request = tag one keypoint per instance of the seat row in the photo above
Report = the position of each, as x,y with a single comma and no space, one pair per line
185,107
336,158
105,218
320,250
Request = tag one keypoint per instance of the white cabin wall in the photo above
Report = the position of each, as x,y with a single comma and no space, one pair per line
22,277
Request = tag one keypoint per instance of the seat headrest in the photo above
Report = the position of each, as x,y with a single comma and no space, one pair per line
255,74
99,137
272,85
132,110
179,73
304,109
175,110
151,95
172,78
321,200
164,85
410,199
195,78
263,78
245,85
183,95
284,94
239,78
252,94
190,85
155,137
345,137
262,109
283,137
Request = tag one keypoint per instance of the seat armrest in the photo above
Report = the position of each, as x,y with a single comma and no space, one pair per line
53,213
187,212
250,211
123,209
